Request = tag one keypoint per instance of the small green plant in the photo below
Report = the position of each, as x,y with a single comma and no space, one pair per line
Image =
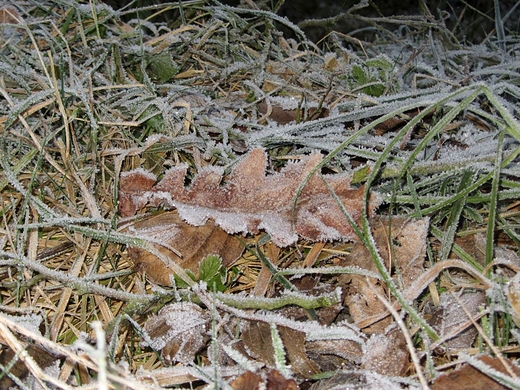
211,271
372,76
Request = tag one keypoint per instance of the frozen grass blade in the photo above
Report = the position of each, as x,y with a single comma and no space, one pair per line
279,352
72,122
493,203
452,224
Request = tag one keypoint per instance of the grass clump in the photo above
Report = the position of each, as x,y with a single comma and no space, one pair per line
89,92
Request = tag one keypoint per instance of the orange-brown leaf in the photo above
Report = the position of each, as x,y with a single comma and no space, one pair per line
250,200
193,243
469,377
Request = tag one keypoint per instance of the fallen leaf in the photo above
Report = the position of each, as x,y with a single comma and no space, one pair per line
283,116
247,381
347,350
257,338
402,245
179,331
386,354
276,381
448,317
14,366
193,243
249,200
17,368
9,15
470,378
272,380
513,296
342,380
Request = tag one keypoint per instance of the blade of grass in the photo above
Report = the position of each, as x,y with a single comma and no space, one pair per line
493,203
452,223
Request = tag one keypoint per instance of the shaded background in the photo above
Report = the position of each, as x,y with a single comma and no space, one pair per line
470,21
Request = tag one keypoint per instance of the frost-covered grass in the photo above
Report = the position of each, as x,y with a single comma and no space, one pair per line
89,92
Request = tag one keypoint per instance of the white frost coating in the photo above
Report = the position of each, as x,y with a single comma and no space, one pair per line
31,322
280,230
196,216
327,233
141,171
313,330
180,322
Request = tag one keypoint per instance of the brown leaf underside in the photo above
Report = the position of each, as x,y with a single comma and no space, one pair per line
250,201
194,243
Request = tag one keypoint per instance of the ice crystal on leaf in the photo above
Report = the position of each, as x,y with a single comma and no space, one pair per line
178,331
249,200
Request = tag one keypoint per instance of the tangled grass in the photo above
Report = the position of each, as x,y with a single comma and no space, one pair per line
89,92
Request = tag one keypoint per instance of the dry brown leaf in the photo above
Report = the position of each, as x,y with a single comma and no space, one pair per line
16,366
247,381
193,243
402,245
386,354
468,377
179,331
513,296
257,338
43,358
249,200
272,380
348,350
448,317
342,380
283,116
9,15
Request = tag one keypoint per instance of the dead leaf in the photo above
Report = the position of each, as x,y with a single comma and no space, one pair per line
247,381
43,358
276,381
193,243
283,116
257,338
387,354
513,296
272,380
343,380
348,350
250,200
448,317
470,378
179,331
402,245
15,366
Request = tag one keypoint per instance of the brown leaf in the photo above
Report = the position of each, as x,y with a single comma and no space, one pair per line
257,338
250,200
193,243
470,378
447,318
9,15
247,381
342,380
283,116
179,331
513,297
348,350
15,366
43,359
276,381
272,380
400,241
386,354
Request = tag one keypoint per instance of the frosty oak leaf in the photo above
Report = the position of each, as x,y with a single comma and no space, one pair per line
249,200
